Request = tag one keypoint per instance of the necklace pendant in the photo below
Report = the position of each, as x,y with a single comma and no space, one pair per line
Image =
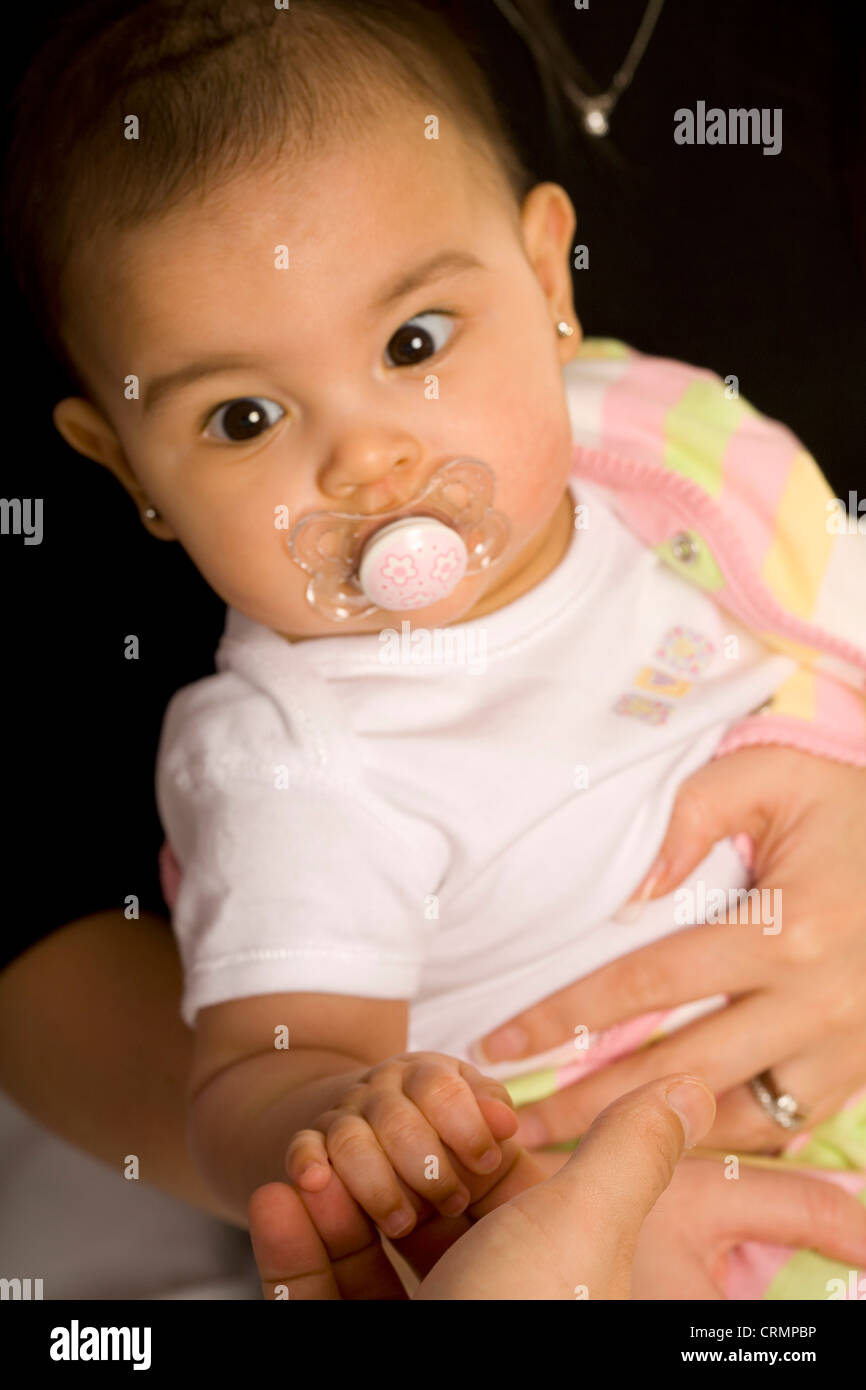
595,121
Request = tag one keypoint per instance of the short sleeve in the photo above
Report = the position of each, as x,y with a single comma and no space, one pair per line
295,877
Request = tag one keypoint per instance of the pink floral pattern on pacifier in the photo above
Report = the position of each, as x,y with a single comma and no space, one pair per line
409,568
397,569
445,566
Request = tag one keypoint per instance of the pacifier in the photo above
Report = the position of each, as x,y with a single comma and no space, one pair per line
359,563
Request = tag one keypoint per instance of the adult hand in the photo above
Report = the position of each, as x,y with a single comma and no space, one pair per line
571,1236
798,997
683,1249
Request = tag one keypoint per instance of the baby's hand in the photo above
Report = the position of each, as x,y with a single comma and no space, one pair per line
395,1125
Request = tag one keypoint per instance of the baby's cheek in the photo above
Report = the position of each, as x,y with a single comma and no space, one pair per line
246,562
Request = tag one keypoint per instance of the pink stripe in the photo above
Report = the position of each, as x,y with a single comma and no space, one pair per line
637,406
838,706
633,416
757,465
607,1046
776,729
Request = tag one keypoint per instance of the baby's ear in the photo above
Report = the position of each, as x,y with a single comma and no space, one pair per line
88,432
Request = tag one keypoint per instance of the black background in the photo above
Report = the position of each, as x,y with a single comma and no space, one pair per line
720,256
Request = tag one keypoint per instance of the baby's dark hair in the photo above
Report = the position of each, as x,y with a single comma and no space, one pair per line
218,85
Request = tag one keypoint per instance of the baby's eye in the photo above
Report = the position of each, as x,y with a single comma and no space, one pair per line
413,342
244,418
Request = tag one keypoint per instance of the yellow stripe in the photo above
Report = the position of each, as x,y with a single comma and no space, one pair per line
795,697
800,552
786,646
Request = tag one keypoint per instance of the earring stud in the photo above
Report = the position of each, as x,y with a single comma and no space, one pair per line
564,329
151,513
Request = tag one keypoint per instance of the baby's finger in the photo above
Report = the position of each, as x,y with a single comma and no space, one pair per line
478,1079
367,1172
307,1163
415,1149
496,1104
447,1101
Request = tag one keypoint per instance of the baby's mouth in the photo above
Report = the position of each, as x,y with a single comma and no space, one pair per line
409,556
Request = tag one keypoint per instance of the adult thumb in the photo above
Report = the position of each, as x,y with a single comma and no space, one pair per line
718,800
618,1172
573,1236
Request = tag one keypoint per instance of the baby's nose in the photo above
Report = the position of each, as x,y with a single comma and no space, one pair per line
373,480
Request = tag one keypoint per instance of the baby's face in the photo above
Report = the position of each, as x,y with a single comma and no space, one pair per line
318,393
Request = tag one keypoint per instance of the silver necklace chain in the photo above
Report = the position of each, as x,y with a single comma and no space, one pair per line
596,110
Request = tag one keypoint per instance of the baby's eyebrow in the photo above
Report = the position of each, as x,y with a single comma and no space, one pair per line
162,386
436,267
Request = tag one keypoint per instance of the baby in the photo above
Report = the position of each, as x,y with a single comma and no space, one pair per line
323,295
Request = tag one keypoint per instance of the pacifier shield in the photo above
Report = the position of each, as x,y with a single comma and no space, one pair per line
357,565
412,563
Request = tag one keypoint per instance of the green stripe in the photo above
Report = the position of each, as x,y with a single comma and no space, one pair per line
697,432
537,1085
702,570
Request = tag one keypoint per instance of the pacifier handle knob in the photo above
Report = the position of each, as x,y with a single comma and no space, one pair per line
412,563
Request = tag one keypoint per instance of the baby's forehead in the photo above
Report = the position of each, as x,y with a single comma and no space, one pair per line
387,191
336,223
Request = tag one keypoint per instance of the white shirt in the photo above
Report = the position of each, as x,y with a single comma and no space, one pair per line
455,831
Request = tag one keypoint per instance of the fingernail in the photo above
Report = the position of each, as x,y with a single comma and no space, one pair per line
311,1170
688,1100
631,911
397,1223
505,1043
489,1160
456,1204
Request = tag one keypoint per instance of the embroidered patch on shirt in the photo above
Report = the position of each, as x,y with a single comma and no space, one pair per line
650,678
685,650
640,707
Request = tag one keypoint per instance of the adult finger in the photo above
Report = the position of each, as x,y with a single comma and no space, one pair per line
722,798
691,963
820,1079
725,1048
318,1246
802,1209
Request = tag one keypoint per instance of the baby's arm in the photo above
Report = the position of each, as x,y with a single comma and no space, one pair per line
343,1086
246,1097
